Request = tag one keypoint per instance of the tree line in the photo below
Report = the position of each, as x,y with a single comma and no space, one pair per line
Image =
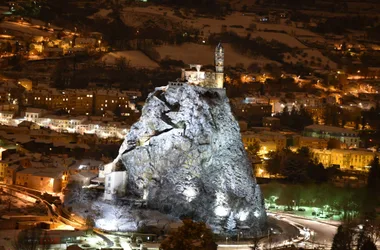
298,167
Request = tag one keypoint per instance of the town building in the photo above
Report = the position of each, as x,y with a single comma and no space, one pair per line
32,114
345,159
348,137
10,176
268,141
113,180
14,159
44,179
252,112
271,122
26,83
309,142
84,102
206,79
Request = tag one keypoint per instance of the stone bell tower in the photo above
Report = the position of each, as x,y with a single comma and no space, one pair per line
219,66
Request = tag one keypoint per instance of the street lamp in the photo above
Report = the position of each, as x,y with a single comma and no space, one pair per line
312,233
269,242
239,236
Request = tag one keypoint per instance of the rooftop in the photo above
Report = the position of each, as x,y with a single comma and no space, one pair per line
330,129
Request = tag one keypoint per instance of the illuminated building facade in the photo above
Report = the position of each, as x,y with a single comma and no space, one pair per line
40,179
348,160
206,79
84,102
349,137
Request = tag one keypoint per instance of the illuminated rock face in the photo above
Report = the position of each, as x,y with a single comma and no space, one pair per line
186,158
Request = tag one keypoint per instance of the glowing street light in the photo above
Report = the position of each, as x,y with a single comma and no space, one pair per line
260,171
269,242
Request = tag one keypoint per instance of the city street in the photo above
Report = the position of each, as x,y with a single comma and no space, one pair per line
318,233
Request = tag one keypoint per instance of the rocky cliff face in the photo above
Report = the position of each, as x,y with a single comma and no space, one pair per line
186,158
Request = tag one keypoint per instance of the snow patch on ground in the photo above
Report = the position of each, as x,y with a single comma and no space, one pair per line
23,28
191,53
20,207
290,29
120,217
209,26
135,58
281,37
102,14
310,57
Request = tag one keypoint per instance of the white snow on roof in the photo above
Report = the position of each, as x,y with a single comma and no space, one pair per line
330,129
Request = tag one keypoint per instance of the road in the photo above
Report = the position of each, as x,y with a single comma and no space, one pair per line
280,231
283,228
59,214
317,233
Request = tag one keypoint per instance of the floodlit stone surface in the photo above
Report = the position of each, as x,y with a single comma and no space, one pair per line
186,158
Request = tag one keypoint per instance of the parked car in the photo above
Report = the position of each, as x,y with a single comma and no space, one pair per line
301,209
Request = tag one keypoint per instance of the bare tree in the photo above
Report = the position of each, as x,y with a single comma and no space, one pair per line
9,200
373,231
255,243
31,239
118,212
90,223
76,192
122,63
